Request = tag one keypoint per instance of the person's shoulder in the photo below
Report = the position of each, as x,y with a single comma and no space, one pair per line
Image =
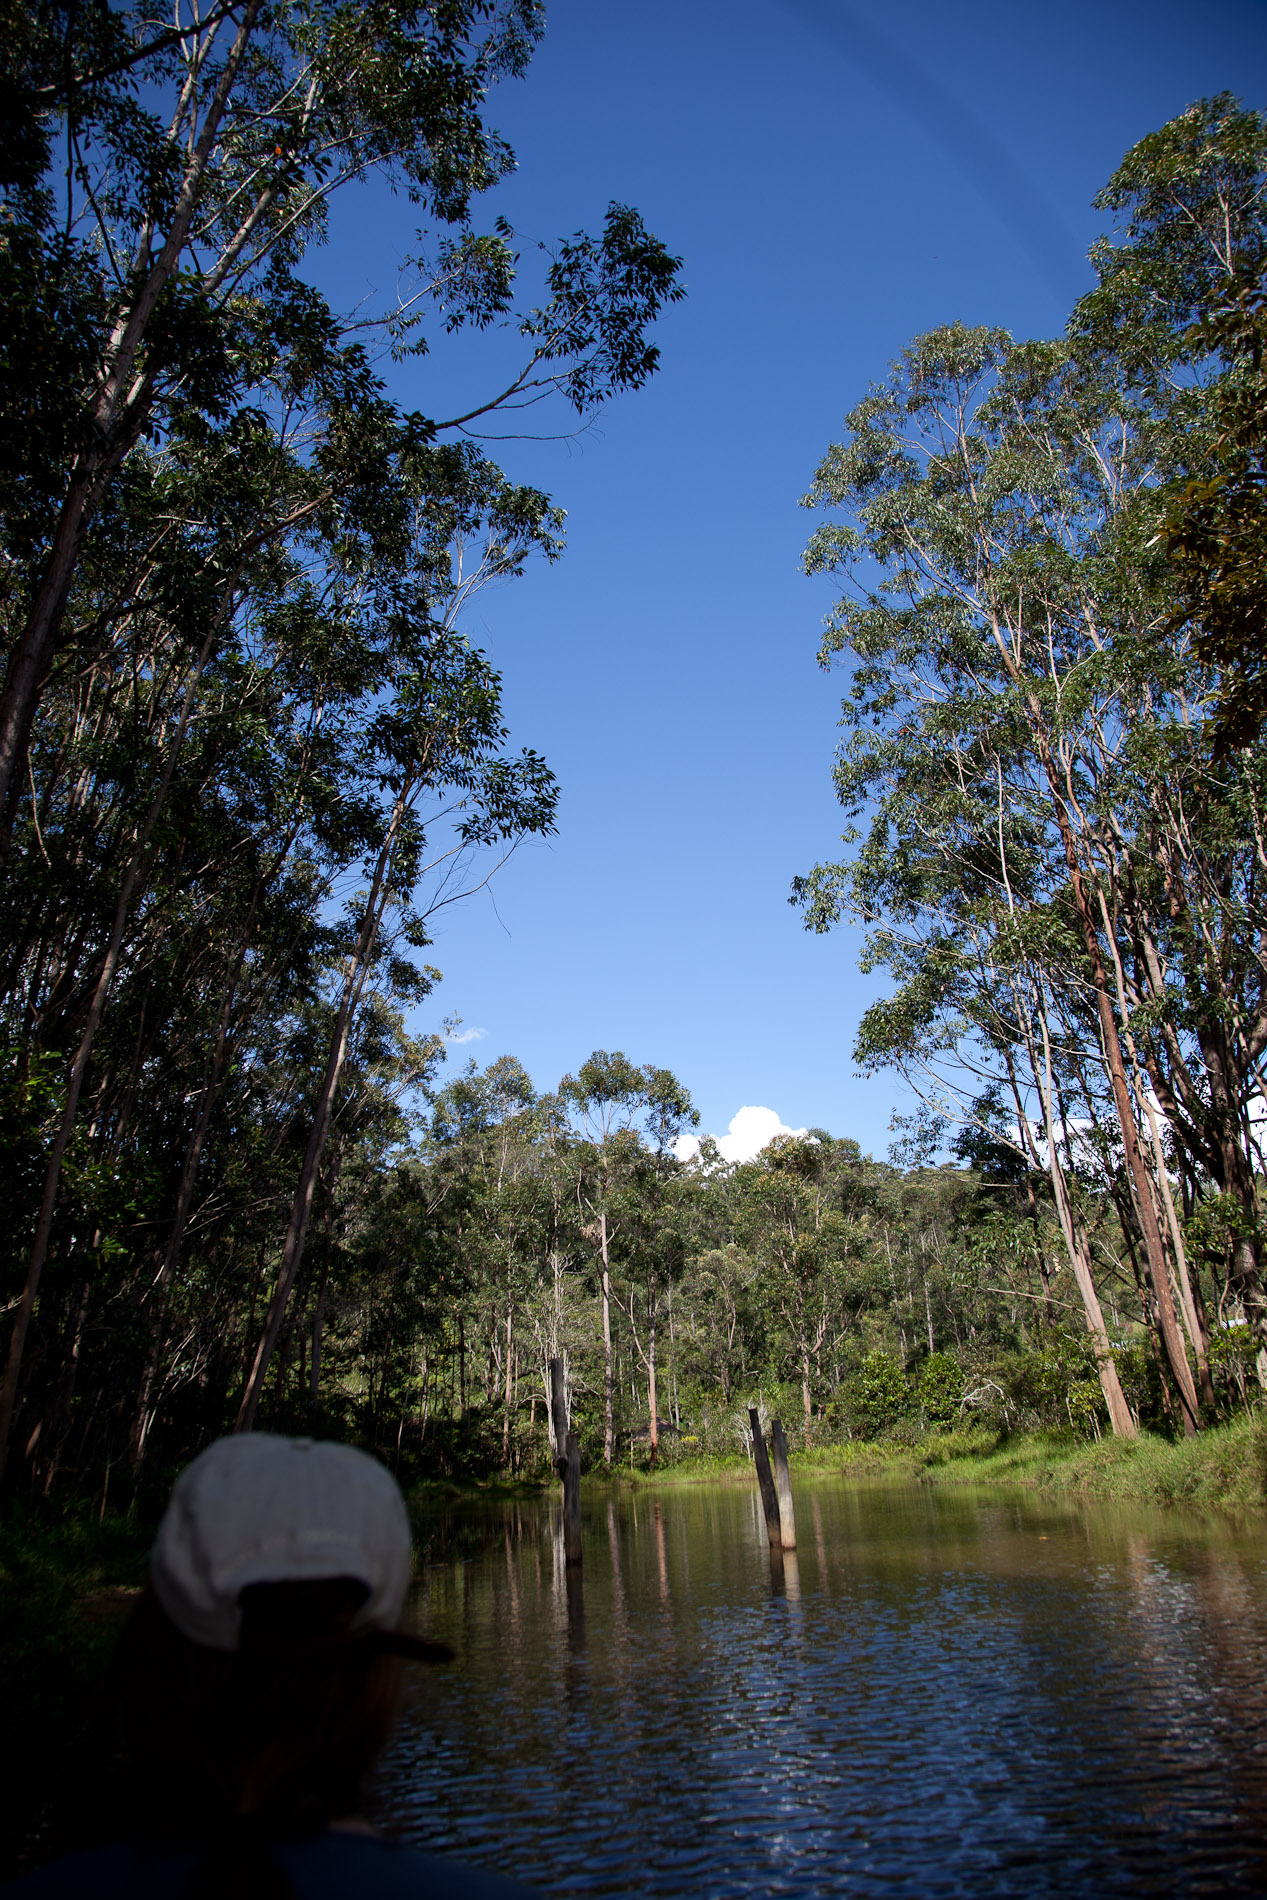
119,1871
349,1866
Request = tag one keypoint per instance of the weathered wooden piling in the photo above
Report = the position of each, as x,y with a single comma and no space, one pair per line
769,1496
572,1501
783,1485
567,1463
558,1416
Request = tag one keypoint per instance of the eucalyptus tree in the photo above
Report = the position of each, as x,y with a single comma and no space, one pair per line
383,729
802,1211
716,1312
438,743
235,572
656,1204
614,1103
1215,529
514,1219
163,187
1046,828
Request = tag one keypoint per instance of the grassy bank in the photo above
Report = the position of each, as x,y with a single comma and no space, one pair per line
1223,1466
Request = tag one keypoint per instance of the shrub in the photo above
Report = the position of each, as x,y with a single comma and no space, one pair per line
879,1394
940,1388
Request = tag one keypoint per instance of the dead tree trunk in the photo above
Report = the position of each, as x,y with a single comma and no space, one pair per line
567,1463
783,1486
769,1496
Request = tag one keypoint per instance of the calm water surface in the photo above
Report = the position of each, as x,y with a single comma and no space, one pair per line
943,1692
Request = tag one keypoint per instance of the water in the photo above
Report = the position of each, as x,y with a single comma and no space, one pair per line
943,1692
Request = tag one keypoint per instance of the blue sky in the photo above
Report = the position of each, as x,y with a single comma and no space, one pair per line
836,179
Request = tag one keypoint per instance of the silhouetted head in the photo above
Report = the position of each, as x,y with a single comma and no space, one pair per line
259,1675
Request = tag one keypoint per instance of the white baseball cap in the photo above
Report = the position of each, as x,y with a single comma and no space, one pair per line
257,1508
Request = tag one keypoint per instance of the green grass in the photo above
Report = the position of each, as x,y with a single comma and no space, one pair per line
1226,1465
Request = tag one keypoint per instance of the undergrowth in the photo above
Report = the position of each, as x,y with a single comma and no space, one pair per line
67,1578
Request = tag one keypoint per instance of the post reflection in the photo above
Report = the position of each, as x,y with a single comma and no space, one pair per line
785,1575
662,1564
1106,1668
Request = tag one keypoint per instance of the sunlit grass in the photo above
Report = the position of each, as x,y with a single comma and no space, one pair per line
1224,1465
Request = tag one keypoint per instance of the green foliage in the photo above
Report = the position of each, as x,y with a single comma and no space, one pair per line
1041,841
1224,1466
880,1393
940,1388
257,752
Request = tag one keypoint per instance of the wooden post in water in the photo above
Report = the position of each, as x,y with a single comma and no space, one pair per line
769,1497
783,1485
567,1464
558,1417
572,1501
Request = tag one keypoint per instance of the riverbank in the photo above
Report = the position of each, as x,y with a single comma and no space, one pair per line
1224,1466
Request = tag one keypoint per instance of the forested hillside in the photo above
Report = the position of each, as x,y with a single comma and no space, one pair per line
247,752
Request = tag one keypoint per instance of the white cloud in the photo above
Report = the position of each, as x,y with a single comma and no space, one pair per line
465,1035
751,1130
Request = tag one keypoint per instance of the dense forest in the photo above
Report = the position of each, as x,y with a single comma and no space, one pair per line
247,752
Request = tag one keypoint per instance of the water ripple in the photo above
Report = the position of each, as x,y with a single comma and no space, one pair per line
941,1694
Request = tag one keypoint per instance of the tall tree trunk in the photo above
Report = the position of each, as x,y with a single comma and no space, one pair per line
605,1285
79,1067
301,1207
184,1205
506,1405
1078,1253
1137,1172
653,1397
318,1328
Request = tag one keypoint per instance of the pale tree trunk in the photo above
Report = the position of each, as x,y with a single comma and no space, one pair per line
805,1395
79,1067
1192,1321
1193,1318
1120,1416
318,1327
677,1410
509,1389
1141,1185
301,1207
653,1403
609,1431
1137,1172
184,1204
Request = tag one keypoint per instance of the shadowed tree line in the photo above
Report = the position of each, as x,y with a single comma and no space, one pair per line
245,749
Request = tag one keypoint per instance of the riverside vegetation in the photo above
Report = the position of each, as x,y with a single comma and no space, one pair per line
246,752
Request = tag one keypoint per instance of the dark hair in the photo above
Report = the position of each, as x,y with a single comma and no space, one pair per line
234,1749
